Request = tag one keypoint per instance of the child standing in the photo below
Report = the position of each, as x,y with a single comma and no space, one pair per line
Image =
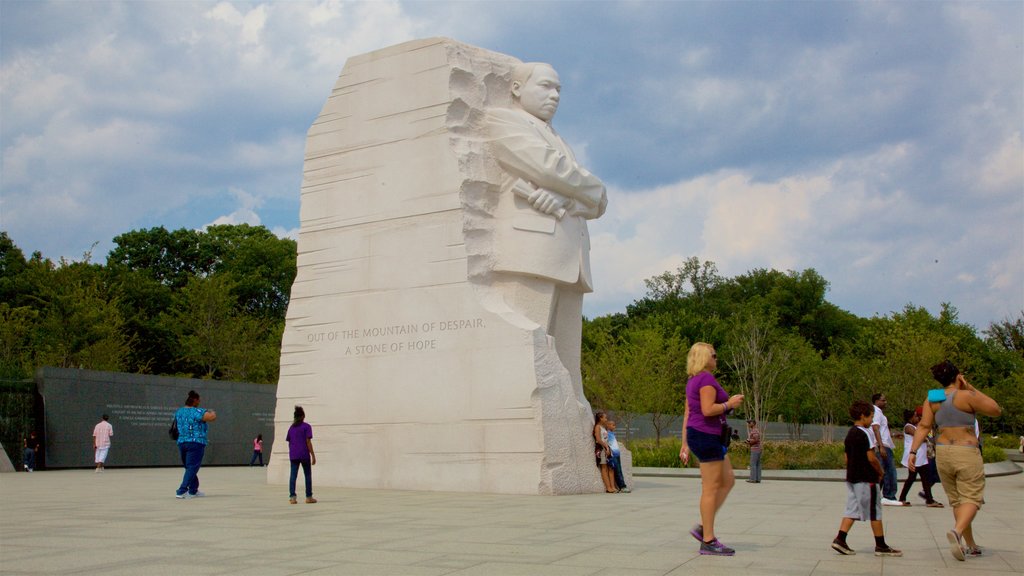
257,450
615,460
300,452
863,473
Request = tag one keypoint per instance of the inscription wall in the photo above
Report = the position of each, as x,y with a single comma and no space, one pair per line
140,409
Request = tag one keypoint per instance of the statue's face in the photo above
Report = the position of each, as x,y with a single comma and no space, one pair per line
539,96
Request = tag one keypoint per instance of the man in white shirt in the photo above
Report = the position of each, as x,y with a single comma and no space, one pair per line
883,438
101,441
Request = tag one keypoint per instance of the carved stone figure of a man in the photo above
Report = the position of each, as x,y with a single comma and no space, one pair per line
541,259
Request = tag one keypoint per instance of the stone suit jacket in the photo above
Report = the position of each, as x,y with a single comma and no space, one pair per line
528,241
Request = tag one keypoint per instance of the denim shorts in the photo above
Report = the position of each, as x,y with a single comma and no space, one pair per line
706,447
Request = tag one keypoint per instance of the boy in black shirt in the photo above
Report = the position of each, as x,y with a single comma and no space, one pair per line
863,473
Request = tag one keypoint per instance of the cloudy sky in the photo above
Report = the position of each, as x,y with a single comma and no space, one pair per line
876,142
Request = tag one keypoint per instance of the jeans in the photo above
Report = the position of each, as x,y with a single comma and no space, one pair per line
192,459
28,457
889,479
256,454
755,466
616,463
306,471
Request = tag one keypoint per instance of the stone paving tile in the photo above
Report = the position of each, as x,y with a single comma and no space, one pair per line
49,522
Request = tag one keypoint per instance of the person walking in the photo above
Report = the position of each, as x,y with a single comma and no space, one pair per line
754,441
257,450
192,427
101,434
957,454
706,434
920,457
300,452
886,448
863,472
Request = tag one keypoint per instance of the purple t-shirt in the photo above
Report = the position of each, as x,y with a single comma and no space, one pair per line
297,436
697,421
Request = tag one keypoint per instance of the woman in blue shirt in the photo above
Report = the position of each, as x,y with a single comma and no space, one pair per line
192,442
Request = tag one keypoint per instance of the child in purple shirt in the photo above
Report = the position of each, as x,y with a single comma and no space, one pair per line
300,452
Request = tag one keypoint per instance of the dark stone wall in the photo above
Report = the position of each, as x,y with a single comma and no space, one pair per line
141,408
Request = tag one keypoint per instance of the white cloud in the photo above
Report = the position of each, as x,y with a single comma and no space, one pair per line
867,152
244,213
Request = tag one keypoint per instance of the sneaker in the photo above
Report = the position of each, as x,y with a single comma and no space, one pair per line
956,546
715,548
198,494
973,551
697,532
887,502
293,500
625,490
180,496
842,548
310,500
887,551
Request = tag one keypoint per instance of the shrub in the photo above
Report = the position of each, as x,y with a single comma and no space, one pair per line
784,455
991,453
1006,441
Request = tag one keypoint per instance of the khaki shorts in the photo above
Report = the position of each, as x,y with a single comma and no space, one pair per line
962,473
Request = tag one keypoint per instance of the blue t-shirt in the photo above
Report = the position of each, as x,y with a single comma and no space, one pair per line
297,435
191,427
613,443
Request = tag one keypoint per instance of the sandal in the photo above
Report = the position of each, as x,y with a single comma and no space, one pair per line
934,505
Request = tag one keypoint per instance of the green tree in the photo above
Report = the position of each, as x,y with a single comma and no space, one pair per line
205,323
79,324
16,329
1008,334
262,265
757,361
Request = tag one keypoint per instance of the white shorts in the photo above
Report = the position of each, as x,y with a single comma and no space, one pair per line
863,501
101,454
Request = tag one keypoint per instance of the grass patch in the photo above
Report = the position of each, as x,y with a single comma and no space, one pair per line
775,455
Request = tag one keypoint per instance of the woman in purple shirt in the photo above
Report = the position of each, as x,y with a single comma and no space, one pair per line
300,453
707,405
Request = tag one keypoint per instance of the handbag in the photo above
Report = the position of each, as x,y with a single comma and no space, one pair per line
726,437
173,431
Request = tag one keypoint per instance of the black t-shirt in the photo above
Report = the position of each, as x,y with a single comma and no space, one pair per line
858,467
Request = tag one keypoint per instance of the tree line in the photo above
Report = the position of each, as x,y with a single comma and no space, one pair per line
797,357
212,304
205,304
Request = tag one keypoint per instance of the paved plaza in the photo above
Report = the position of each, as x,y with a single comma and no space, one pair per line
127,521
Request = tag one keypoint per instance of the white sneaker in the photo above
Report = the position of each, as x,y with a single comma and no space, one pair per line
198,494
887,502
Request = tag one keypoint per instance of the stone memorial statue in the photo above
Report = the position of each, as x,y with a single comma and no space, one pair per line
433,332
542,248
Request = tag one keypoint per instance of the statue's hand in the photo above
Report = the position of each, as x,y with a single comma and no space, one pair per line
546,202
